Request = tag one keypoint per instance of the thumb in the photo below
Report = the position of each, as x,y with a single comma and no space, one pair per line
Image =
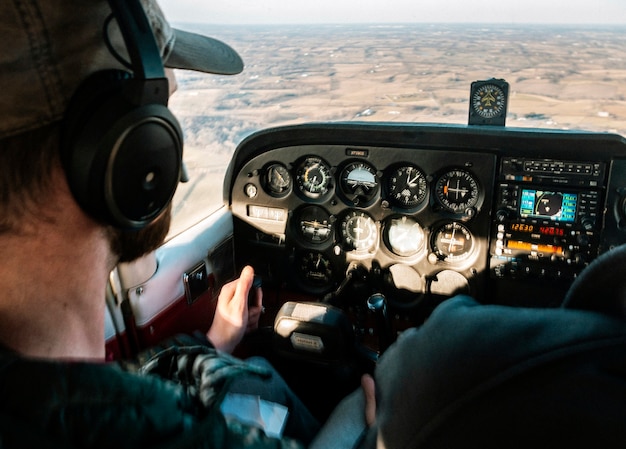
244,283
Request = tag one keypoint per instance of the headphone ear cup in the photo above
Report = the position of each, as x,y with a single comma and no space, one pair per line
122,160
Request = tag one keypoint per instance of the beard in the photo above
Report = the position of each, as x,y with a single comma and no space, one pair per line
131,245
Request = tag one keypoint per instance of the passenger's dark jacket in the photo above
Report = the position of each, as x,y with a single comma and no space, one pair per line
494,377
76,405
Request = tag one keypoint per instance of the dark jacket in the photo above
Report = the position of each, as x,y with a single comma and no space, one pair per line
486,376
76,405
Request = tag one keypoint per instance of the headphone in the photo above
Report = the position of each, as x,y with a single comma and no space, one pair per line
121,147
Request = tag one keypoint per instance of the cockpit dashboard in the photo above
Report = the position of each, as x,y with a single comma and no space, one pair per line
421,212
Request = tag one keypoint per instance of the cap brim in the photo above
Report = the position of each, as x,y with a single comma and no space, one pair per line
203,54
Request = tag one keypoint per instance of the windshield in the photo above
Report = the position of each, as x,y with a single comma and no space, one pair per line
565,75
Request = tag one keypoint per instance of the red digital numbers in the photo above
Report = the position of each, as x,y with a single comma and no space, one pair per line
551,230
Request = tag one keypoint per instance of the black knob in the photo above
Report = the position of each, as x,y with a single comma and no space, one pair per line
377,303
502,215
588,223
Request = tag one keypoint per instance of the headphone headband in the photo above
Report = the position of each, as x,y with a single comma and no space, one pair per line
139,39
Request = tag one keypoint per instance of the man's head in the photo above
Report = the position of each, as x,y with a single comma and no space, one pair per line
55,46
52,46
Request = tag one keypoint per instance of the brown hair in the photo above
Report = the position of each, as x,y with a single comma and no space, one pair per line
27,162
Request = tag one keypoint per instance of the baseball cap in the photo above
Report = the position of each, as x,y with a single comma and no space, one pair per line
50,46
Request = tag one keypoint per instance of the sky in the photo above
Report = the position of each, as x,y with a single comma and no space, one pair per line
394,11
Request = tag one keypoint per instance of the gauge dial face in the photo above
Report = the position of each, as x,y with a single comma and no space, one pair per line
457,190
313,177
449,283
277,179
489,101
315,268
453,242
358,231
404,236
359,183
314,224
407,186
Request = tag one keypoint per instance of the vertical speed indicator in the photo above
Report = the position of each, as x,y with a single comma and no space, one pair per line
452,242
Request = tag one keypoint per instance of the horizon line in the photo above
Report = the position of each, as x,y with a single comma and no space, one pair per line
397,24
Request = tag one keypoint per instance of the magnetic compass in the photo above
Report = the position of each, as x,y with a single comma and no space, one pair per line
488,102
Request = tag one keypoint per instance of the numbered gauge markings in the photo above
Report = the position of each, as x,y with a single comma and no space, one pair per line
359,231
452,242
407,186
457,191
277,179
313,177
315,268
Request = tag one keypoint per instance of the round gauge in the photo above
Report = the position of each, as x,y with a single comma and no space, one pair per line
359,183
407,186
358,231
452,242
404,236
457,190
488,100
277,179
314,224
449,283
315,268
313,177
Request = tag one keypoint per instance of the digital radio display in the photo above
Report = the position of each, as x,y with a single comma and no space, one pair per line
537,229
549,205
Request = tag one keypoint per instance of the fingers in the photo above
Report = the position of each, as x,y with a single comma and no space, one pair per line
230,321
244,284
369,390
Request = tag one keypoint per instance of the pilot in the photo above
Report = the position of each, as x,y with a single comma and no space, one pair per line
56,253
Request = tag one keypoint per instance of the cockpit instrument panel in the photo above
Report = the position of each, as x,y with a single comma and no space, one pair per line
369,205
503,212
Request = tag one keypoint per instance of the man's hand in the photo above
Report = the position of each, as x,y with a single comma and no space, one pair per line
233,316
369,387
